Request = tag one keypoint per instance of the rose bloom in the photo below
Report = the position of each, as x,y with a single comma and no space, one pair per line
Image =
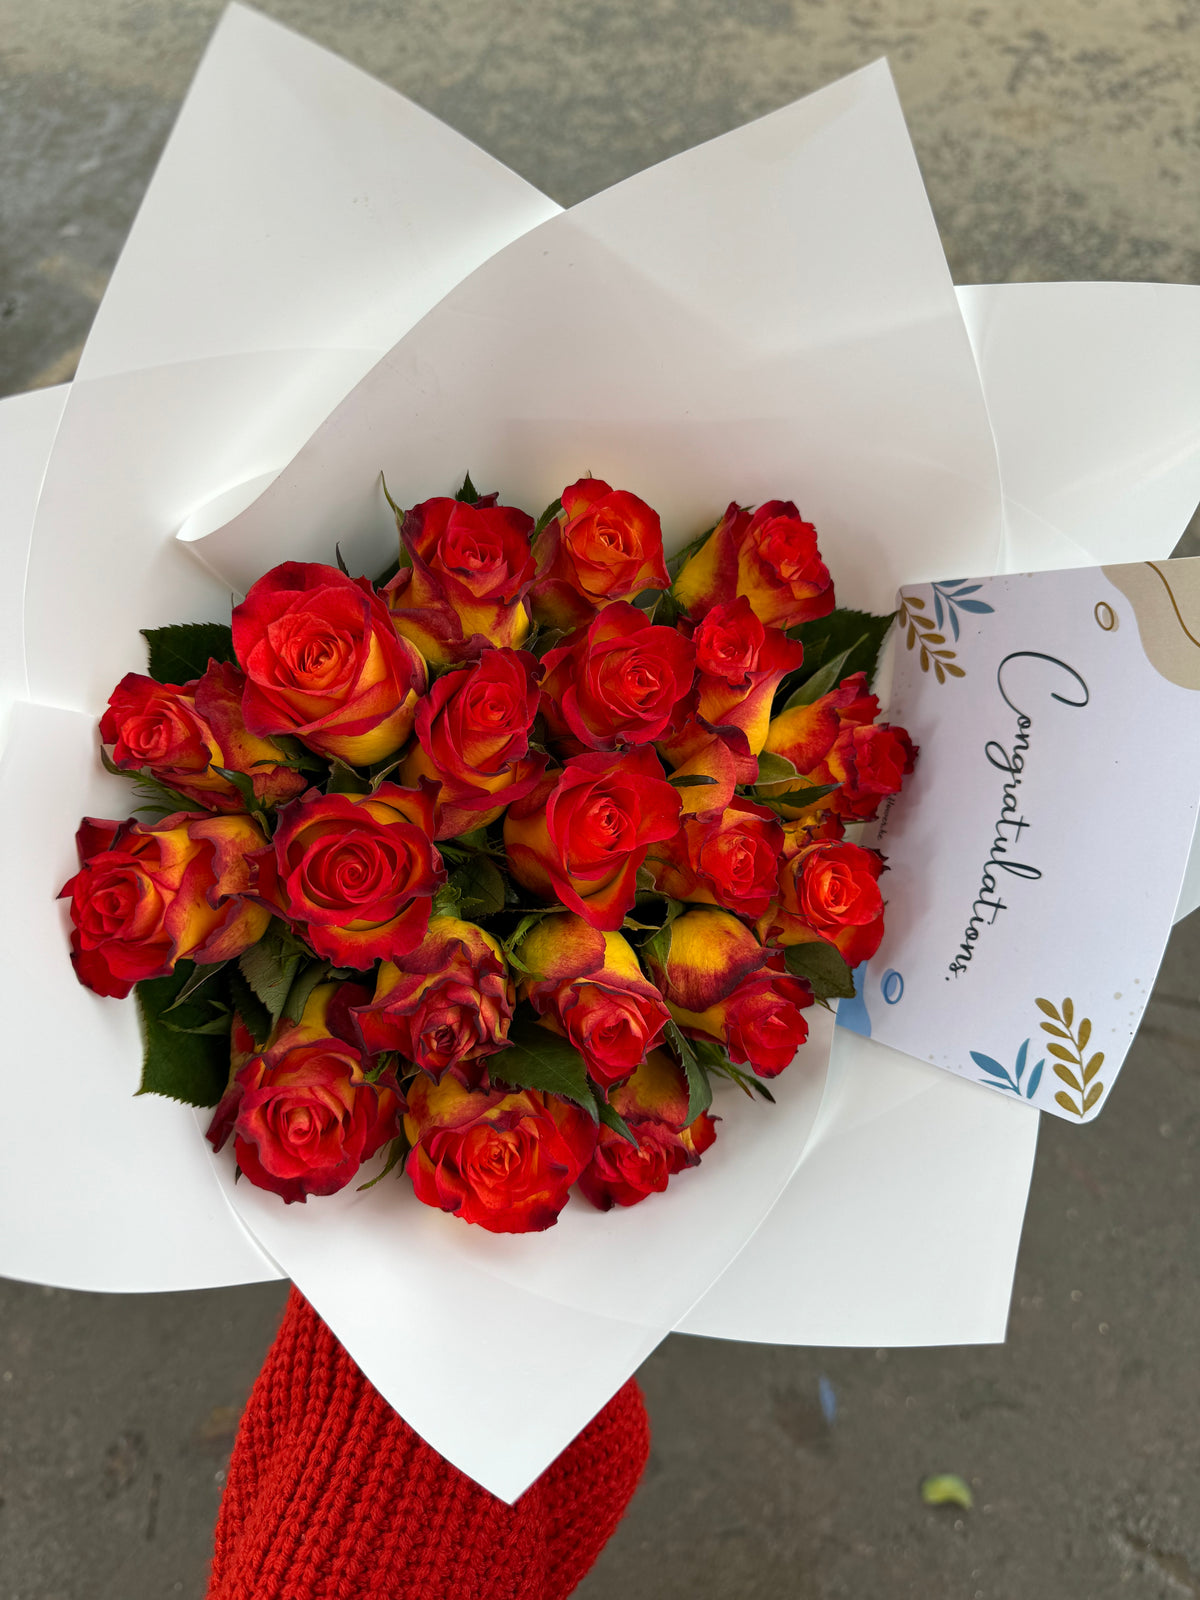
709,952
770,556
730,859
604,545
469,570
830,892
588,986
760,1021
302,1116
180,733
324,663
740,665
356,872
654,1104
505,1160
446,1006
582,834
146,897
617,682
472,737
868,763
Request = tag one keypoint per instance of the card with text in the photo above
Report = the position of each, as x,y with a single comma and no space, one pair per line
1036,854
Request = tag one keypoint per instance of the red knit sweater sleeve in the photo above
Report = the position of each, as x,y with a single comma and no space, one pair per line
331,1496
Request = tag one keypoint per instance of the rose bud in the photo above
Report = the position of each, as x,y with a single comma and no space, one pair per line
181,733
828,892
730,859
472,737
708,954
760,1022
617,682
302,1116
770,556
446,1006
582,834
588,986
471,568
869,763
355,872
654,1104
604,545
146,897
505,1160
806,735
324,663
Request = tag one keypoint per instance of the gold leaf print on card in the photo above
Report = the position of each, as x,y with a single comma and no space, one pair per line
1072,1064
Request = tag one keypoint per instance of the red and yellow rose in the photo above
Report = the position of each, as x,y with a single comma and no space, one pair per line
654,1106
770,556
146,897
604,545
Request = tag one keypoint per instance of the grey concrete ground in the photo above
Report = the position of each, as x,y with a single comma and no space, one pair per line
1058,141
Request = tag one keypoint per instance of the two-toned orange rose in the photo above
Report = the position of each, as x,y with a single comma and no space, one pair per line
653,1104
184,734
603,545
770,556
828,892
719,984
324,663
302,1114
467,568
147,896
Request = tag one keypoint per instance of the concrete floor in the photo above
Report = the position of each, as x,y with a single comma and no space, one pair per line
1058,141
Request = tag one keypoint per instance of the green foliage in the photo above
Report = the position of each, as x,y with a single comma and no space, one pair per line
397,1151
547,516
479,885
468,494
823,968
612,1119
699,1088
344,779
249,1007
182,651
281,973
860,633
538,1059
185,1054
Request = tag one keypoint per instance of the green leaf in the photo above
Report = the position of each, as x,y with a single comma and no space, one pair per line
219,1025
538,1059
947,1489
447,902
861,633
249,1007
344,779
699,1088
182,1065
821,682
200,976
613,1119
480,887
776,769
270,968
547,516
397,1151
823,967
182,651
303,984
793,799
528,921
690,780
714,1059
468,494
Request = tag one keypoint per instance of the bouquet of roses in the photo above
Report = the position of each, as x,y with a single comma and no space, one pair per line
500,859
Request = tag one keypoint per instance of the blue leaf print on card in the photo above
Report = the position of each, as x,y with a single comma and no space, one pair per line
1004,1079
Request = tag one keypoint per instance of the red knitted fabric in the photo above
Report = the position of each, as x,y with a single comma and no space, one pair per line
331,1496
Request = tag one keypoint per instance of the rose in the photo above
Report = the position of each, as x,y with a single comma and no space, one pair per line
146,897
181,733
446,1006
324,663
700,958
463,584
729,859
355,871
740,665
769,556
616,682
503,1159
869,763
604,544
761,1022
301,1113
588,986
582,834
654,1105
472,737
828,891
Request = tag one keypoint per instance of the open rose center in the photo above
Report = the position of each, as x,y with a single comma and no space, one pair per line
309,654
351,870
